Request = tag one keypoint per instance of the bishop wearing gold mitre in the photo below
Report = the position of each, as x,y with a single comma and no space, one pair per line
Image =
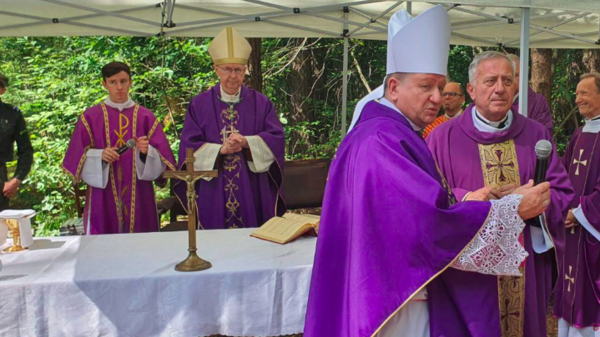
235,130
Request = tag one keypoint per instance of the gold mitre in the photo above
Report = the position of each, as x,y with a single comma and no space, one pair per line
229,47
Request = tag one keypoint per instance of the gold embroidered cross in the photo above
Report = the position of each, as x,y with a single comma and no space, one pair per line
570,279
500,164
578,162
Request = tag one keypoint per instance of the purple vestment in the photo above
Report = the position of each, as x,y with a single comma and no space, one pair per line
238,197
472,299
578,290
538,109
388,227
127,203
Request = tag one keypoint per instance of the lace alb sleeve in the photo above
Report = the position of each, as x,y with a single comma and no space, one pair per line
496,249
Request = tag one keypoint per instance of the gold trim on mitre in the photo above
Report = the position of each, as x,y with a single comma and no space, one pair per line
229,47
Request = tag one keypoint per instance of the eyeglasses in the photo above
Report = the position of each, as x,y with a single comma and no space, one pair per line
451,94
236,71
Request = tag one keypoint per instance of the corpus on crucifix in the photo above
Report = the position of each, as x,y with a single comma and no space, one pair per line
193,261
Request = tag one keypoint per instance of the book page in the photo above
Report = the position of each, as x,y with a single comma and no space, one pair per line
279,229
306,218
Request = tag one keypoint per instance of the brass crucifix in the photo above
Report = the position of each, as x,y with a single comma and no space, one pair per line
193,261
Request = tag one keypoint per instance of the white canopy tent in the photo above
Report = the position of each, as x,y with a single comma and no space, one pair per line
511,23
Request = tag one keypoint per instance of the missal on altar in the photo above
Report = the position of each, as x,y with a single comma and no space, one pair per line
288,227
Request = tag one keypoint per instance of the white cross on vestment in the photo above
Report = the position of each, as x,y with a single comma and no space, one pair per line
579,162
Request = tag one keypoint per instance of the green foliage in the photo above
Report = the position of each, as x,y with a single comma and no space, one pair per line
53,80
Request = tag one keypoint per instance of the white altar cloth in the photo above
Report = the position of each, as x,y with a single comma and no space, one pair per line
125,285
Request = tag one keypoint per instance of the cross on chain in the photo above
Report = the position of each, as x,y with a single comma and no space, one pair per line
570,279
579,162
226,133
500,165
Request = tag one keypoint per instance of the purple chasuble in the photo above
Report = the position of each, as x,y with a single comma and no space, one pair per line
388,227
238,197
467,303
578,289
127,203
537,108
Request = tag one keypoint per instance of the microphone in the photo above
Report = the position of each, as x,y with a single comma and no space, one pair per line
543,149
130,143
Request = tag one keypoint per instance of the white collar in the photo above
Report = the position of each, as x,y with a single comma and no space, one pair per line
390,105
592,125
455,115
483,127
230,98
119,106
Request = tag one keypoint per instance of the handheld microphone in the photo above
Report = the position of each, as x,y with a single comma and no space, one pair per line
543,149
130,143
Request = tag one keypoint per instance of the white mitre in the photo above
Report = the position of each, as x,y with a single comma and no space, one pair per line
229,47
415,45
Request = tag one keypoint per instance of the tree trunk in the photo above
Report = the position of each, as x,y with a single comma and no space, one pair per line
591,60
255,80
541,72
299,87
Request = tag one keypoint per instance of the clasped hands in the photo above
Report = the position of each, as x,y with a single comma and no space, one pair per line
234,143
535,198
110,154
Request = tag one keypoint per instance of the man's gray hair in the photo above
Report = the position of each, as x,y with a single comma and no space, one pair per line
486,56
596,78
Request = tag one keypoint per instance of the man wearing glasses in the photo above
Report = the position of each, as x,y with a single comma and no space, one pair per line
453,98
236,130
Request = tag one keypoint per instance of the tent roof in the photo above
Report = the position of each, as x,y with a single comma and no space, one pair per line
554,23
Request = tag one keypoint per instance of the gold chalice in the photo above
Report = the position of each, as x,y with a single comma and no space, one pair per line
13,225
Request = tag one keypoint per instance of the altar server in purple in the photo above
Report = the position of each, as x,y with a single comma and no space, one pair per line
390,224
490,146
120,193
577,299
235,130
538,108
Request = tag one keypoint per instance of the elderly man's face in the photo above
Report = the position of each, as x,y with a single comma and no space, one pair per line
494,90
588,98
231,76
418,96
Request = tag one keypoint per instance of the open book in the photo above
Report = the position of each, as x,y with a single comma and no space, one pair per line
287,228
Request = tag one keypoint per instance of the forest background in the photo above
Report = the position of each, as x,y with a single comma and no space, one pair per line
53,80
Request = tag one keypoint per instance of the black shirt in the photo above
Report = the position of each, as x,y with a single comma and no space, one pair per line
13,129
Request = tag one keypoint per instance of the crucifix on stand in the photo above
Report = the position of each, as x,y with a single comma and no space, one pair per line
193,261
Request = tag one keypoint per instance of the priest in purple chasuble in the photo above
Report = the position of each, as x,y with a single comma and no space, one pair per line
120,193
236,130
538,108
390,224
577,297
491,146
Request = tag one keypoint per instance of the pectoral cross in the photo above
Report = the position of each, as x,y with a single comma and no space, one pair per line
193,261
226,133
570,279
579,162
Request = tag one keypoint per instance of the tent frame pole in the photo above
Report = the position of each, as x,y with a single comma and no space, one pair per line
524,60
345,75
